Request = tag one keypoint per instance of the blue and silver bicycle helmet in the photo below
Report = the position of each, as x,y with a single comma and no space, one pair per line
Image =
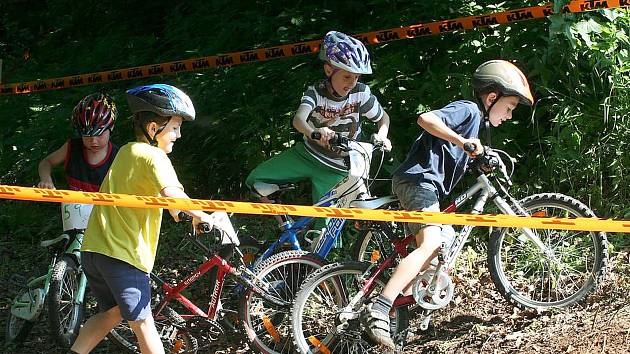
161,99
345,52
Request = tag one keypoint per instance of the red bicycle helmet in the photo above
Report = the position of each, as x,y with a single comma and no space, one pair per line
94,114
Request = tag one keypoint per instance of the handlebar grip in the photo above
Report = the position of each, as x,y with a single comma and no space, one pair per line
337,140
470,147
204,228
184,217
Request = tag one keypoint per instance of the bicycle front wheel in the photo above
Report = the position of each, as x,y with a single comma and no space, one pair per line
267,325
64,314
572,266
322,323
169,325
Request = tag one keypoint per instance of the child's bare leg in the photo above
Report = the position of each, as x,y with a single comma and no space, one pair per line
429,241
148,337
95,329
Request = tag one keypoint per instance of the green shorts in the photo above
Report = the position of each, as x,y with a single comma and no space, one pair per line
294,165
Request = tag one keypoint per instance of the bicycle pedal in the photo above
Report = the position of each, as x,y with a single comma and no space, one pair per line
226,311
227,324
209,328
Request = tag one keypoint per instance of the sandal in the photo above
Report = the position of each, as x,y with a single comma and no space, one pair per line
377,326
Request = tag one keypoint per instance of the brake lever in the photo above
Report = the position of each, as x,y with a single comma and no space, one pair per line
503,169
377,142
497,163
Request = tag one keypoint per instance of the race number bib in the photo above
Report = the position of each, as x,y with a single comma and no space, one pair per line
75,215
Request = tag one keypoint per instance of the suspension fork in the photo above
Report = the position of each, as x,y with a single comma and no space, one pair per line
489,191
259,286
73,250
529,233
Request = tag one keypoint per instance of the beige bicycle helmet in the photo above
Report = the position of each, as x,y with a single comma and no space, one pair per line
504,77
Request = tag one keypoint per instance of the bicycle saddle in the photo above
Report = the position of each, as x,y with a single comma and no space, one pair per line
266,189
372,203
47,243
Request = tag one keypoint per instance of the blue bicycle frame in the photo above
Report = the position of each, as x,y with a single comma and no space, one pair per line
292,228
352,191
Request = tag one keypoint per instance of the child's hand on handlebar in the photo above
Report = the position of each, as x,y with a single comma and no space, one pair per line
473,147
325,134
204,223
385,143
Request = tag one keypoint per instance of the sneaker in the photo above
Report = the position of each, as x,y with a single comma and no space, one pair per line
377,327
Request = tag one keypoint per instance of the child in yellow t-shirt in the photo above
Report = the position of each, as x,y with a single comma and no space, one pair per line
120,243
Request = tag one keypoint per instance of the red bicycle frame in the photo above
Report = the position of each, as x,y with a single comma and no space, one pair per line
174,292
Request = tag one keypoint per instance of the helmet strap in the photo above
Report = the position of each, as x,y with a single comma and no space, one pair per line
486,117
153,139
486,112
488,137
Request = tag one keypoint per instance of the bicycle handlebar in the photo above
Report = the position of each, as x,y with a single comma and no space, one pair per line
340,141
470,147
487,161
203,227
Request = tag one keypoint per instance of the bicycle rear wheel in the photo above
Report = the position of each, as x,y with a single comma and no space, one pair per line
530,279
29,303
267,325
316,323
169,325
64,315
16,330
376,238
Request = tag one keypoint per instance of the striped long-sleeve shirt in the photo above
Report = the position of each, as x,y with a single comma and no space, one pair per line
341,115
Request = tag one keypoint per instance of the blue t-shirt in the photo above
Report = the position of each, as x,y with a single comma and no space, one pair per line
436,161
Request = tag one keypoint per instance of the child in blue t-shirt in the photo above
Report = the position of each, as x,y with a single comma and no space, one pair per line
434,165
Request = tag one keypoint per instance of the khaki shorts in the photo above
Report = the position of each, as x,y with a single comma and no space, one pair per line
416,197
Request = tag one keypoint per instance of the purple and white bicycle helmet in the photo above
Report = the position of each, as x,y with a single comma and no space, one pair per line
345,52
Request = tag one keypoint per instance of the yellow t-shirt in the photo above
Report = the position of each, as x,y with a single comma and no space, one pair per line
131,234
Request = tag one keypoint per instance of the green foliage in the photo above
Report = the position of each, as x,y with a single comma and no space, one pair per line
585,84
575,140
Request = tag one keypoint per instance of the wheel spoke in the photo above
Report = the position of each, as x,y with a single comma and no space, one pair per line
561,276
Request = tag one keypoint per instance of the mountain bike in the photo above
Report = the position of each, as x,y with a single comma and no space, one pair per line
267,325
351,192
61,289
180,330
538,269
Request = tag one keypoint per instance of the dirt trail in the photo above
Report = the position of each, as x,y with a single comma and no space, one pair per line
479,320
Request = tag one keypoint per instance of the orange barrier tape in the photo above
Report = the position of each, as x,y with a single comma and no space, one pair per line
134,201
301,48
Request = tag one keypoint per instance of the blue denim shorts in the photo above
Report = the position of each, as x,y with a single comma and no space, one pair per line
117,283
416,197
